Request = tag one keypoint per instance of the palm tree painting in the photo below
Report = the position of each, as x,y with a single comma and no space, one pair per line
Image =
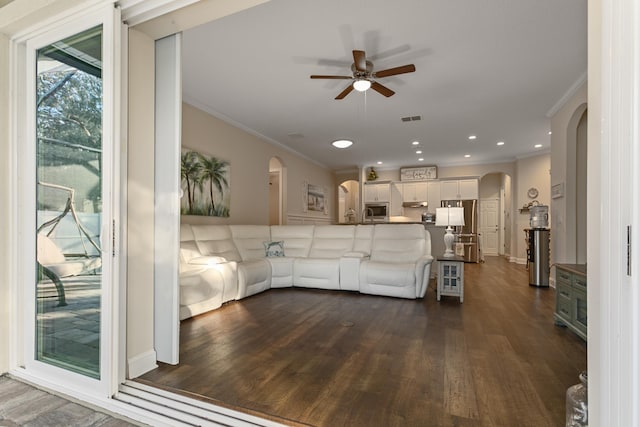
205,185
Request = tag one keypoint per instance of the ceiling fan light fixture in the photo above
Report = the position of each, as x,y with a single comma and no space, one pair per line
361,85
342,143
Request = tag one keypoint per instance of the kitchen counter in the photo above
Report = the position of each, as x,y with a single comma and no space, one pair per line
580,269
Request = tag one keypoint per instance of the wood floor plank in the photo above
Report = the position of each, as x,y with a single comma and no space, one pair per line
332,358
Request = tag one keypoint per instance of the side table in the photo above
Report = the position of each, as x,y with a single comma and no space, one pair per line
450,277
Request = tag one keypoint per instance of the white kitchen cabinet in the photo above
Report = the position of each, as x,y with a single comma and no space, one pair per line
380,192
433,196
468,189
415,192
459,189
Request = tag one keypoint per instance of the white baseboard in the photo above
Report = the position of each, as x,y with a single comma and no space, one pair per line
142,364
518,260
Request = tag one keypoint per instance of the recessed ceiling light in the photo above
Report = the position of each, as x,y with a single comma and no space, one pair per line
415,143
342,143
379,163
467,155
537,146
500,143
418,151
550,132
421,159
472,137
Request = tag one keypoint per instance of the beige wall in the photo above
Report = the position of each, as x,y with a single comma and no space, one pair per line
476,170
532,172
140,188
564,125
490,185
4,202
249,158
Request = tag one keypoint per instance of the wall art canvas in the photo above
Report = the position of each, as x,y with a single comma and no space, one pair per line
315,198
204,181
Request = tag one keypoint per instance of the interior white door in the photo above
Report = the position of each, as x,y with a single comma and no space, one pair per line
490,226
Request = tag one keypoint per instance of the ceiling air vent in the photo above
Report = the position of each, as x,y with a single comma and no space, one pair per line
411,118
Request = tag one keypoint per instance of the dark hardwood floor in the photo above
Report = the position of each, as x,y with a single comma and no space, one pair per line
331,358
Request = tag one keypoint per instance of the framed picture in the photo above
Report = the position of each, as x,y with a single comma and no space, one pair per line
557,190
205,185
314,198
419,173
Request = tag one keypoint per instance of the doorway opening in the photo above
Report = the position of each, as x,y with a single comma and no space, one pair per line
495,214
348,202
275,191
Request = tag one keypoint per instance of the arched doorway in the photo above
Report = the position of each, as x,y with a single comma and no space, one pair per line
348,202
276,172
575,250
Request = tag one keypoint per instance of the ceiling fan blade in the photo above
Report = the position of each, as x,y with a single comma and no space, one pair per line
397,70
331,77
345,92
381,89
360,60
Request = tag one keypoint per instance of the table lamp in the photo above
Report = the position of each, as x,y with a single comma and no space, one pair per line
449,217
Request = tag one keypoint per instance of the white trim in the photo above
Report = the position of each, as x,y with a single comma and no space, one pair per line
137,11
142,363
121,246
17,119
167,151
575,87
60,19
517,260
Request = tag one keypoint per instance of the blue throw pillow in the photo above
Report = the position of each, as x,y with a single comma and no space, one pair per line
274,249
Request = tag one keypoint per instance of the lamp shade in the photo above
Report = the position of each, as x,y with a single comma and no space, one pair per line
446,217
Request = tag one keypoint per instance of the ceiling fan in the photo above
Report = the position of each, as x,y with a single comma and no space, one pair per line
364,77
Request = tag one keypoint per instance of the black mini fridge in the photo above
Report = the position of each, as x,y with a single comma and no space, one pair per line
538,256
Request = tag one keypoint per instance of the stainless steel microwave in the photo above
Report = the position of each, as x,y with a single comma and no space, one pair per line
376,212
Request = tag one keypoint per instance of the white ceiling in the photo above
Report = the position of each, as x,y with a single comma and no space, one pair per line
491,68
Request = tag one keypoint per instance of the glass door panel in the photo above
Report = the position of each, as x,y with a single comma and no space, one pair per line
69,178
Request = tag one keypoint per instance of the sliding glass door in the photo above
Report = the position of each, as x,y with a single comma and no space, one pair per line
69,202
66,208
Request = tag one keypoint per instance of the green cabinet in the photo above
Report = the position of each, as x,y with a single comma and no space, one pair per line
571,297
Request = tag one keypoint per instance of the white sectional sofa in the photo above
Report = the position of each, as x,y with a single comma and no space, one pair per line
220,263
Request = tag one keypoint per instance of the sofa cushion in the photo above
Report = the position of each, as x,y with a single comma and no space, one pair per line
253,277
297,238
399,243
207,260
195,286
321,273
248,240
332,241
216,240
188,251
363,238
281,271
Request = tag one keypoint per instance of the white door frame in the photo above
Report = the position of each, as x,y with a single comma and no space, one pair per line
613,204
23,209
168,142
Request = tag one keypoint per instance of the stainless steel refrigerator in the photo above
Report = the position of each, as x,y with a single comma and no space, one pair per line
467,234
